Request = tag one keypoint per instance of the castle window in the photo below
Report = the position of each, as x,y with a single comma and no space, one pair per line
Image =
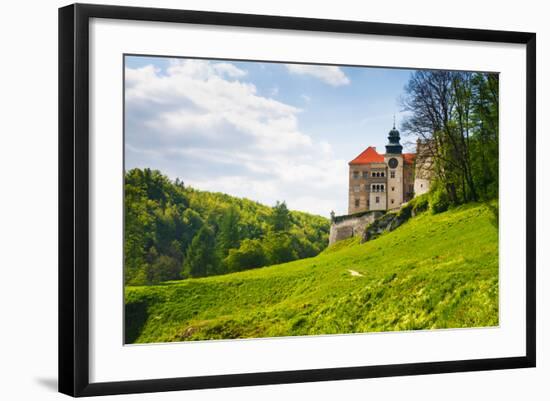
356,188
382,174
377,199
373,174
392,201
356,174
392,174
365,174
356,202
381,188
393,189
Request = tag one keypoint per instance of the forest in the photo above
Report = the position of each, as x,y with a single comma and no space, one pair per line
173,231
456,115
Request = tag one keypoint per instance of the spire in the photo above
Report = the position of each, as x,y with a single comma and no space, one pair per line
393,120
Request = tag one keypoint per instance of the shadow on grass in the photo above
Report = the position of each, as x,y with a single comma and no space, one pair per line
135,316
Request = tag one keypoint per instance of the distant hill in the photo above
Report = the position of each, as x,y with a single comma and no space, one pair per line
173,231
435,271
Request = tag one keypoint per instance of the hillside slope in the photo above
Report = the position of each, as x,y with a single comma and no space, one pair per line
436,271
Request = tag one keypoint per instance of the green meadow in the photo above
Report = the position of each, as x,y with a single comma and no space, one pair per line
435,271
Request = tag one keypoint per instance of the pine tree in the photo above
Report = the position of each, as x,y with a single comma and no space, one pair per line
201,259
280,217
228,236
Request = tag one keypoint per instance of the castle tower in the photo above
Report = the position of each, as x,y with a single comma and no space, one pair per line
394,160
393,145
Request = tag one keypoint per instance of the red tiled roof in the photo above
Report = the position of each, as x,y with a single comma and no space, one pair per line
409,157
369,155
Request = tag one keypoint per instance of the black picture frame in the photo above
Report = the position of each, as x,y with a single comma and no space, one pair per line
74,198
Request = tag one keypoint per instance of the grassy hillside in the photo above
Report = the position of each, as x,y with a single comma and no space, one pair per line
435,271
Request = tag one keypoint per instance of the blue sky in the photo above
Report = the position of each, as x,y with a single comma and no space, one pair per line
265,131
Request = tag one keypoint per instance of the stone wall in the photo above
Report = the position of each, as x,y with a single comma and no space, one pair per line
421,186
423,167
353,225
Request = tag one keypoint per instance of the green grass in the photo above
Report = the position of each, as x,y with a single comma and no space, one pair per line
435,271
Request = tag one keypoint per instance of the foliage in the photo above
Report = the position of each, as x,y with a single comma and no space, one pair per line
493,207
248,256
405,212
439,201
280,217
173,231
228,237
200,259
455,115
433,272
419,204
279,248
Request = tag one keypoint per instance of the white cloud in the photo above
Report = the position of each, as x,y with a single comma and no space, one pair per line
229,69
331,75
306,98
199,121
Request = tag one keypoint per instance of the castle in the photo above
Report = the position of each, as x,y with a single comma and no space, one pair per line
382,182
386,181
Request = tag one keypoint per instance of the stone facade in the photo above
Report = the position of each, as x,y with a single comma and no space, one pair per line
423,167
343,227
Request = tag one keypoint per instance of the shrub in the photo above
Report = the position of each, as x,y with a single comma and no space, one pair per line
248,256
421,204
439,201
278,248
405,212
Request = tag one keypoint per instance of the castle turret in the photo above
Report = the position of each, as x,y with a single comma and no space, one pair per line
393,146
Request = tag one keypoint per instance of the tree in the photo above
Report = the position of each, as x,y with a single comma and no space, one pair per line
137,227
201,259
228,235
280,217
248,256
278,247
456,115
192,223
485,151
163,269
